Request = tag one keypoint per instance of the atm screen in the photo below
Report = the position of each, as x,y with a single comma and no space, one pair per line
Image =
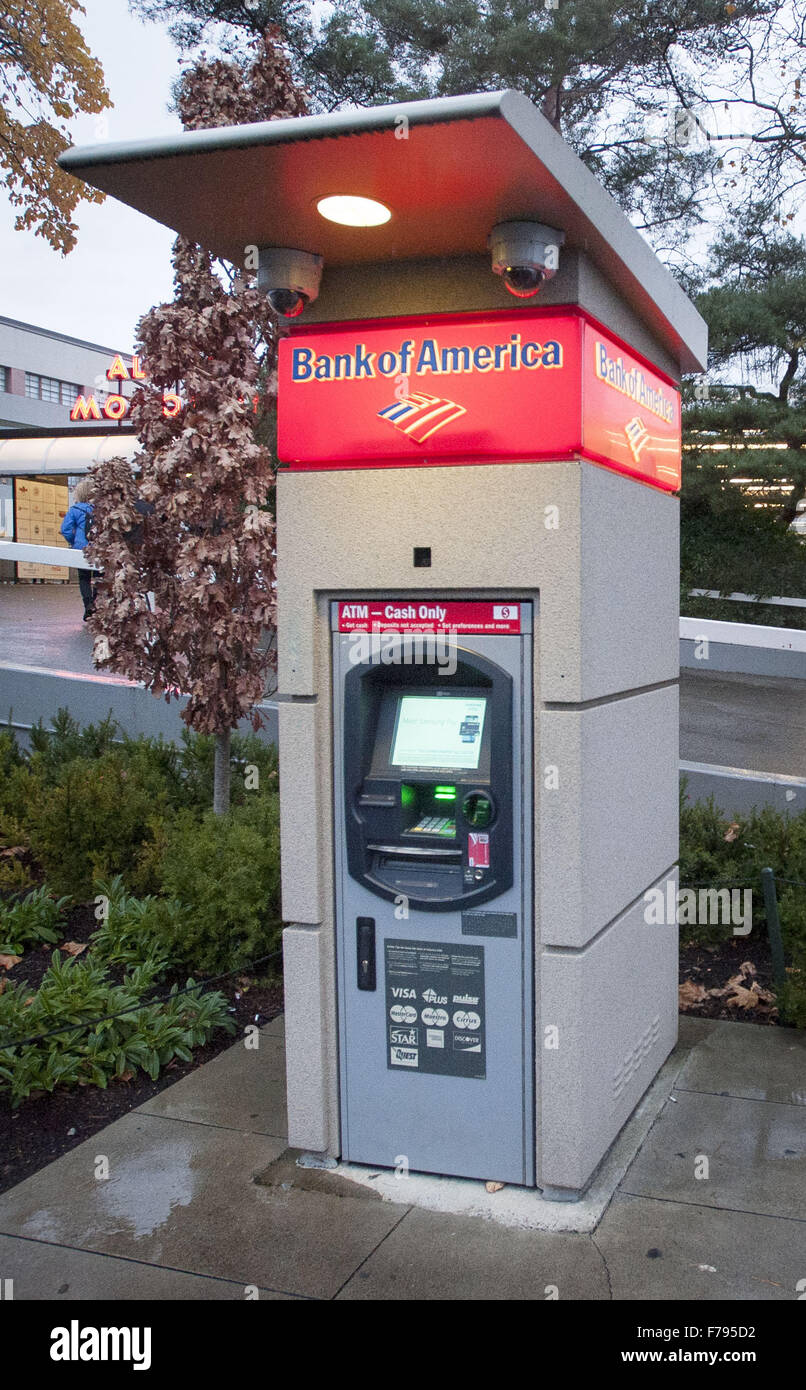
438,731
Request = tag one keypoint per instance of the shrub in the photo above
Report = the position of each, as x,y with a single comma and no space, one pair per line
78,991
31,921
792,998
15,876
718,850
226,873
246,751
94,802
136,929
91,820
66,740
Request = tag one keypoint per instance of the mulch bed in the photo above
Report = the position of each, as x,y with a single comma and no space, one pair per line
713,967
46,1126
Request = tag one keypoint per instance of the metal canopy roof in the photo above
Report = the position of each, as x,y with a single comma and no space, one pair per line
467,163
63,454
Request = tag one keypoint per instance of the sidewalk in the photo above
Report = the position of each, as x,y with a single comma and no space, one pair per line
203,1200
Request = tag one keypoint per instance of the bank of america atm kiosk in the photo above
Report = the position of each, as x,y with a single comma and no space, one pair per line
433,799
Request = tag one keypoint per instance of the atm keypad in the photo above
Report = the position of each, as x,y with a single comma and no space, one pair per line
434,825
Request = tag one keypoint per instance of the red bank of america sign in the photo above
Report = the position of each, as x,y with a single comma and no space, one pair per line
468,388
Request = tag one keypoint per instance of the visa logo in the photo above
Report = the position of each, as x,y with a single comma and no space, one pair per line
404,994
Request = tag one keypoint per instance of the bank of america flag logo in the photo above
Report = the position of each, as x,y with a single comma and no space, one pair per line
419,416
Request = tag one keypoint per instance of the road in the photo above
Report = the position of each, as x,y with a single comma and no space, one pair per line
752,722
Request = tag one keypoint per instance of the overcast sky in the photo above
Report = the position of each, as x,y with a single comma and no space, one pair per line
121,265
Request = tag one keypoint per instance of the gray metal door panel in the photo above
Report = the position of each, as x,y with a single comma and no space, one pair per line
464,1125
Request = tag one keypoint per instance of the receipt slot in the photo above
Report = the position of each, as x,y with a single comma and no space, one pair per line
432,720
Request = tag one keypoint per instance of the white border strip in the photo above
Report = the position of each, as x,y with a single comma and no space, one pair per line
777,599
20,552
779,639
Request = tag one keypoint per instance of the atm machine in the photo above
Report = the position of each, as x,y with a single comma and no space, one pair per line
433,792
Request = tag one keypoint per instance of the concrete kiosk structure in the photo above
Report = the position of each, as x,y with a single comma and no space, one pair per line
590,551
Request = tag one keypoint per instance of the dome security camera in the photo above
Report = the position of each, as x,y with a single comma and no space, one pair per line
289,278
525,255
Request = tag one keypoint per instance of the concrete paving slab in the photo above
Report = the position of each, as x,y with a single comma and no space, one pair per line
184,1195
439,1257
243,1088
754,1154
691,1030
663,1251
742,1059
53,1273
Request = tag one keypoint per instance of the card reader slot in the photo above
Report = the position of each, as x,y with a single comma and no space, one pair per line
421,852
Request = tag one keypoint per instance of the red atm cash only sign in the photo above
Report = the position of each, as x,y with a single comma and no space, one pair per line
498,619
535,384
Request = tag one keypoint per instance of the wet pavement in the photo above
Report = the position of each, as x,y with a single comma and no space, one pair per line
42,625
203,1200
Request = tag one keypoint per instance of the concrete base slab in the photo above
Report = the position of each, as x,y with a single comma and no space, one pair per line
524,1207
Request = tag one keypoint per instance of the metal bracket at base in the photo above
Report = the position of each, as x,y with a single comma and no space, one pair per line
560,1194
315,1160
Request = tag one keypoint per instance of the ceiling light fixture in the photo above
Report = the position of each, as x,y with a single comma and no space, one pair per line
353,211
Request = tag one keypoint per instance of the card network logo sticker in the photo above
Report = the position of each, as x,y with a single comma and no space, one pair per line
419,417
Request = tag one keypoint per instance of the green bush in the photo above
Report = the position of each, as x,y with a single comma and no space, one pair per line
93,802
77,991
792,998
763,839
136,929
31,921
91,820
15,876
225,870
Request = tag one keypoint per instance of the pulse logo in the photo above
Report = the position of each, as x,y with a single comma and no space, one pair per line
419,416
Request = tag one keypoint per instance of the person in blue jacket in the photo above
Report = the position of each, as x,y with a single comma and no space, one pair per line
76,528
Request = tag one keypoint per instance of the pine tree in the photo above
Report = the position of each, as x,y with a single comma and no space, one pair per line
637,87
735,534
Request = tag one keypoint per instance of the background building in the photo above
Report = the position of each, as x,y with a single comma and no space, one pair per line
42,450
42,374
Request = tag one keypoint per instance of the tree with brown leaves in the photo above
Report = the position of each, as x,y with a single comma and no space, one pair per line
203,545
